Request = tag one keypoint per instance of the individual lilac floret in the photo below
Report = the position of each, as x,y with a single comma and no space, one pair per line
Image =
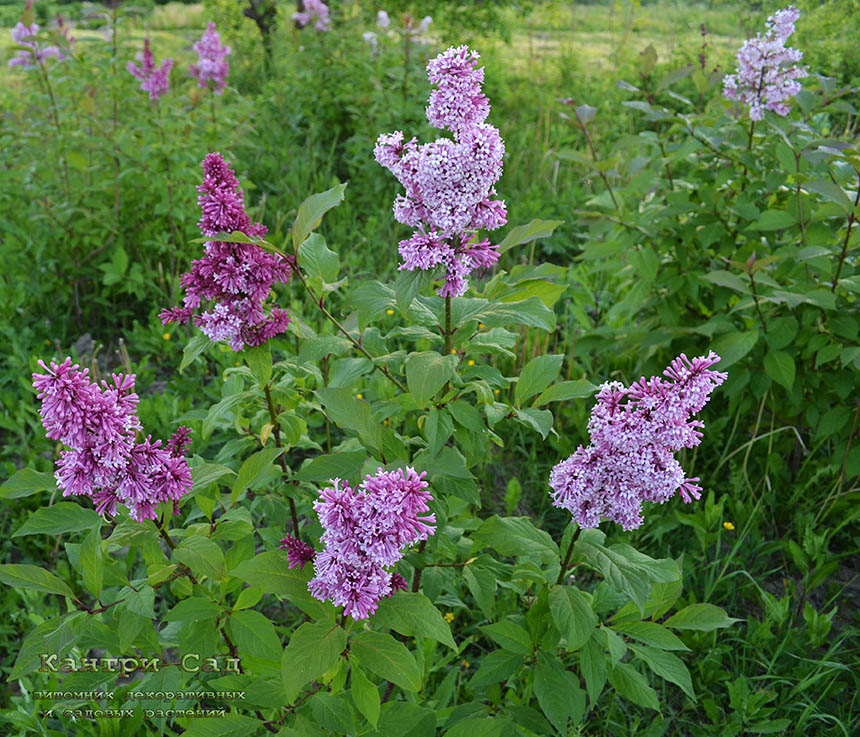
315,11
39,52
235,277
211,61
449,184
298,552
154,80
767,73
634,434
104,461
366,529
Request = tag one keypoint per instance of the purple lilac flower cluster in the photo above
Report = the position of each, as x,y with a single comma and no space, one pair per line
40,51
155,80
315,12
211,60
449,183
365,529
631,456
235,277
298,552
767,70
105,462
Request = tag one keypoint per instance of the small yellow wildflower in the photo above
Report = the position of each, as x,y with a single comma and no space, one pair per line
166,336
495,391
729,526
449,617
359,396
389,311
465,663
480,325
470,362
453,351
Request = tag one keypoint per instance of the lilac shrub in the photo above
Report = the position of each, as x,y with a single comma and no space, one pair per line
449,183
235,277
634,432
40,51
105,462
154,80
365,530
767,72
212,65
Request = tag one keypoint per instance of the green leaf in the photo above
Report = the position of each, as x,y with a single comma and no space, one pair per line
781,331
779,365
254,634
521,234
539,420
727,279
55,637
237,236
426,374
316,259
732,347
314,648
231,725
651,633
27,482
337,465
333,713
408,284
480,726
510,636
350,412
774,220
370,299
253,468
311,211
831,192
259,360
365,695
572,614
702,617
514,536
667,666
140,599
202,556
20,576
193,348
414,615
558,692
536,376
565,390
386,657
92,561
632,685
58,519
204,474
193,609
531,312
482,585
218,411
496,667
437,428
592,662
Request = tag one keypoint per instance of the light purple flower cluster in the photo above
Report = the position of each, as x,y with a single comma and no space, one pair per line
155,81
315,11
236,277
365,529
630,459
449,183
767,70
105,462
211,60
40,51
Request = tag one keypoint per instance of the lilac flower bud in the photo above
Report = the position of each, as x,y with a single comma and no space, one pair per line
298,552
634,433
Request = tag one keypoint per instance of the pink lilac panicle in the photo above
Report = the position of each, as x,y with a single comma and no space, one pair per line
449,184
315,11
235,278
767,73
155,80
105,462
211,63
298,552
366,529
40,51
634,434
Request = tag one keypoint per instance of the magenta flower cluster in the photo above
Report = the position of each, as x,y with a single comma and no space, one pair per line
211,63
315,12
449,184
154,80
235,277
40,51
634,434
365,530
767,73
104,461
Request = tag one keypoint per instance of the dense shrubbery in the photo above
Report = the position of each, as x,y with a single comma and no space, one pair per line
648,218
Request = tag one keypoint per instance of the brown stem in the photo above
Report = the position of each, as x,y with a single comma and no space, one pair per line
757,305
47,82
567,556
276,431
851,221
416,579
